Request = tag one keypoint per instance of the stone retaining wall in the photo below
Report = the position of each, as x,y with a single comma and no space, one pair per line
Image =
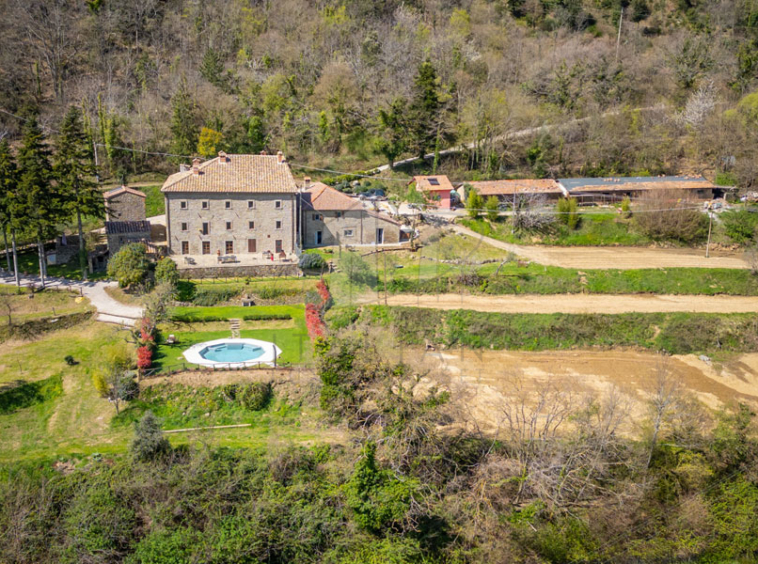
260,270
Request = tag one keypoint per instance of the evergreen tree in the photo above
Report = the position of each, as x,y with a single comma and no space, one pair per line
40,205
393,127
74,171
8,195
425,110
184,128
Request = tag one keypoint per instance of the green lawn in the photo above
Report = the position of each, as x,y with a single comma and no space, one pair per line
154,203
294,341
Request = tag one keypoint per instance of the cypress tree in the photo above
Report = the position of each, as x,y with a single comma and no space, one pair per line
74,171
184,128
40,205
8,187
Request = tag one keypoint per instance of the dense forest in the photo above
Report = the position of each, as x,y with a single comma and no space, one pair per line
666,85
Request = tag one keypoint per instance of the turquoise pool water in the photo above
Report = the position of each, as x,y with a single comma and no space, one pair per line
231,352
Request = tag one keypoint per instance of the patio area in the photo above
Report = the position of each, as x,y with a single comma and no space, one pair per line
186,262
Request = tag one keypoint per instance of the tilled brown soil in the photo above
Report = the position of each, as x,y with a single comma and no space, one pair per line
483,382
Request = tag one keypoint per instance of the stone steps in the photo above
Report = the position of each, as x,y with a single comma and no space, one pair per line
234,325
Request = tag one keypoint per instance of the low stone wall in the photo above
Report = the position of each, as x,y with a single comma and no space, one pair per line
259,270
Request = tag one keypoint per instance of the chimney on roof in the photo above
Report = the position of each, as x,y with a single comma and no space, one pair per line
195,166
306,181
222,158
280,157
263,152
183,167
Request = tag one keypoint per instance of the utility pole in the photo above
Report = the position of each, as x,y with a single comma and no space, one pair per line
710,225
618,41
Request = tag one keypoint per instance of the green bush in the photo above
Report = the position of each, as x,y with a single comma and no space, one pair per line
129,265
166,272
492,208
312,261
740,225
149,442
255,396
568,212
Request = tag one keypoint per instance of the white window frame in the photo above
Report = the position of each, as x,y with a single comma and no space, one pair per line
251,204
278,204
183,204
348,233
205,205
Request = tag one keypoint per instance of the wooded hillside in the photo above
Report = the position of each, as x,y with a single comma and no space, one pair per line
358,83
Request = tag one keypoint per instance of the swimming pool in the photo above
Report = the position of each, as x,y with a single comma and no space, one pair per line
233,353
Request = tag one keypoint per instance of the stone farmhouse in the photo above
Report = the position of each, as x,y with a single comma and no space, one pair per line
330,217
233,210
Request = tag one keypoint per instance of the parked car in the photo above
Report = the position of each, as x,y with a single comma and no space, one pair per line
373,195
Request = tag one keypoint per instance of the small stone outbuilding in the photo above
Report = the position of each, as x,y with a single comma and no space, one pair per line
124,204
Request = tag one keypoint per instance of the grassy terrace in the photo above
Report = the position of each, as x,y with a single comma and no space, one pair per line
282,325
675,333
49,303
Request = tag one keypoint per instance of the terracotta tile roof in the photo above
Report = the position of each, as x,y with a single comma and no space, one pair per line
321,197
114,227
123,190
432,183
635,183
236,173
509,187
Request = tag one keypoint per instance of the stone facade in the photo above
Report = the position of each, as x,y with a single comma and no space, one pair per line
353,227
125,206
230,223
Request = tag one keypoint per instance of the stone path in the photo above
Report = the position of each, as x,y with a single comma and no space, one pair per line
109,310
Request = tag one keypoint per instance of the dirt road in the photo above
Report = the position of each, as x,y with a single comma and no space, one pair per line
622,258
572,303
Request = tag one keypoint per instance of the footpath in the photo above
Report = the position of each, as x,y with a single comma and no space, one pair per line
109,310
